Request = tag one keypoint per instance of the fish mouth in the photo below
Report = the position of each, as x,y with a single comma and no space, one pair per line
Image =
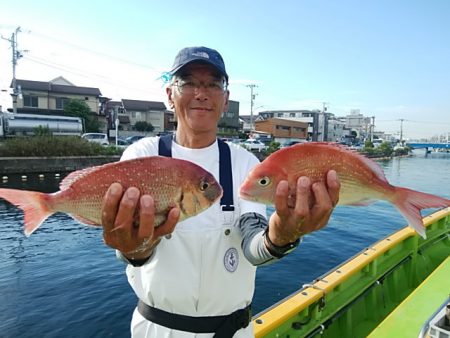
246,196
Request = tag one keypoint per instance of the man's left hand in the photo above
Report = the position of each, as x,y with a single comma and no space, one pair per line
307,211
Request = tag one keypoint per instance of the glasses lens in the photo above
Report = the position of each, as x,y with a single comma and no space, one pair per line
188,87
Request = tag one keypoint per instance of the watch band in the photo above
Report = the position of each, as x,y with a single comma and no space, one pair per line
279,251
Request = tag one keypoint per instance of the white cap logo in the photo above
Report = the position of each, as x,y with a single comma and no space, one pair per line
201,54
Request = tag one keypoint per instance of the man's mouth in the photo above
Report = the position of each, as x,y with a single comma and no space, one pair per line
201,108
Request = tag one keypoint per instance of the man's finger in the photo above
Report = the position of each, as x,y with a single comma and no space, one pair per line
323,200
146,216
281,197
110,205
334,186
169,225
127,207
303,197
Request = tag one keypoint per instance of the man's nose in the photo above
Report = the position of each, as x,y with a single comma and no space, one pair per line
201,92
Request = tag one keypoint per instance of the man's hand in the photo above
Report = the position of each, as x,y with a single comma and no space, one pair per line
123,229
308,210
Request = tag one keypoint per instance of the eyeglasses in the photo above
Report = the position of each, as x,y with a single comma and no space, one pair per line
190,87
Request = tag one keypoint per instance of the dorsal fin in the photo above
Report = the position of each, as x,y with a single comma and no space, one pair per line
75,176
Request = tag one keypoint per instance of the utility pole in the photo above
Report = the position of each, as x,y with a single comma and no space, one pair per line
16,55
252,98
401,131
372,130
321,122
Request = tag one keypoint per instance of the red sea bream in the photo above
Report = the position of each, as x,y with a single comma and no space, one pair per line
362,180
171,182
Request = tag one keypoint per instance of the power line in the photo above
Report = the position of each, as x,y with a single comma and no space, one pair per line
94,51
415,121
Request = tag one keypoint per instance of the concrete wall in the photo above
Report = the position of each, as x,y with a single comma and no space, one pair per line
25,165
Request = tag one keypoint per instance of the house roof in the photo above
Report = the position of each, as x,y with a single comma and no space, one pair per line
246,118
143,105
57,88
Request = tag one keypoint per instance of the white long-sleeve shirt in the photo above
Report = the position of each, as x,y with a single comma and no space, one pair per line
206,267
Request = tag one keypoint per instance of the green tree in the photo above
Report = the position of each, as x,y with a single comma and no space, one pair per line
144,126
385,148
42,131
368,144
79,108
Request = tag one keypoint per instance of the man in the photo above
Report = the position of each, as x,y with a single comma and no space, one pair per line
196,278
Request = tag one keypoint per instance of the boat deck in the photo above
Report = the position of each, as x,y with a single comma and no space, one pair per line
355,297
409,317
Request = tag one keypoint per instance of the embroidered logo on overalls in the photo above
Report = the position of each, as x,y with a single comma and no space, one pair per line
231,260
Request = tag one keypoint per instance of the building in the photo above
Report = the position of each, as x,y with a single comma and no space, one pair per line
244,122
229,122
359,124
336,129
50,98
39,97
317,120
283,130
152,112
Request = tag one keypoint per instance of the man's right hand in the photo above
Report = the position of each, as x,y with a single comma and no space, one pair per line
135,238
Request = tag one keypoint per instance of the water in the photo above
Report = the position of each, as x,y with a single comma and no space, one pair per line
64,282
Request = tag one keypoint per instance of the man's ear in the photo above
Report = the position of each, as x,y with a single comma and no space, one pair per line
169,97
227,96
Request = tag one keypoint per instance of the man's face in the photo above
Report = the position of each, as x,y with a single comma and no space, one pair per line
199,97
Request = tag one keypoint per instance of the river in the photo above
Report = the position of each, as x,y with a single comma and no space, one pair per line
64,282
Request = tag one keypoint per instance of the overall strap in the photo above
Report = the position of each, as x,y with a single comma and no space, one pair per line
225,176
225,173
165,145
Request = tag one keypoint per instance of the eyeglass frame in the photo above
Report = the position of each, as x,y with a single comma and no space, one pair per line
208,87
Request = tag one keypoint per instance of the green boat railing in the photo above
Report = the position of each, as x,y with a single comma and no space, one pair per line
352,299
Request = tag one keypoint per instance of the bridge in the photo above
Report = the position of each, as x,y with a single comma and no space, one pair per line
428,145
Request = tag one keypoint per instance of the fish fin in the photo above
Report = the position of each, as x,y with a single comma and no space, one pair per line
83,220
75,176
363,203
35,208
410,202
374,166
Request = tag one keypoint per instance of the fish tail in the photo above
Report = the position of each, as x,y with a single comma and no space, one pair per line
410,202
34,205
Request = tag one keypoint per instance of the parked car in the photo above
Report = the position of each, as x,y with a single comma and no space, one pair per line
121,143
237,141
134,138
252,144
96,138
290,143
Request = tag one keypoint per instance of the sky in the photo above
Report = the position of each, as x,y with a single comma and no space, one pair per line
387,59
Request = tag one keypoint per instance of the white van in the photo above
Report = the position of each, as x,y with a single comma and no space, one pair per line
97,138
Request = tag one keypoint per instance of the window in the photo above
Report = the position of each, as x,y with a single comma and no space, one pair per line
61,102
298,129
30,101
280,127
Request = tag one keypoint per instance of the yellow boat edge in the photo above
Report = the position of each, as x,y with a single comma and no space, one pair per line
270,319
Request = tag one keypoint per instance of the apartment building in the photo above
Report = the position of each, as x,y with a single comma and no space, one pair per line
40,97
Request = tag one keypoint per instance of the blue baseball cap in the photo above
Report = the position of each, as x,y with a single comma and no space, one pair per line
199,54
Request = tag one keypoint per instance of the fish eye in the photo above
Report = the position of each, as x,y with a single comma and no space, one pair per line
204,185
264,181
